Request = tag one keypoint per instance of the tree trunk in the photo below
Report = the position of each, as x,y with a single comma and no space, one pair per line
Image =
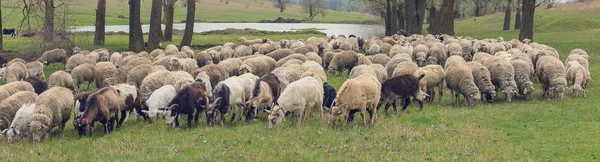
155,33
136,39
433,25
49,21
388,18
394,18
448,21
528,16
507,16
518,15
100,23
169,12
477,10
401,18
189,24
411,17
1,27
421,5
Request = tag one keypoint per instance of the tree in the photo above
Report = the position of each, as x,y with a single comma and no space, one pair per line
518,15
527,20
1,38
415,15
100,23
136,39
507,15
312,8
401,18
169,7
388,18
280,4
448,12
155,34
189,24
49,20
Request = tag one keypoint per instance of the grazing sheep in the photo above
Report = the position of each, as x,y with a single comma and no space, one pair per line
83,73
61,79
524,72
52,109
391,66
385,48
10,106
189,53
104,70
363,60
136,75
249,42
15,60
187,65
360,70
579,51
299,97
216,73
141,60
13,72
258,66
160,98
268,47
405,68
37,84
459,79
102,106
311,56
295,56
373,49
203,58
205,79
503,76
404,87
381,59
157,52
116,58
289,74
232,66
312,65
454,49
577,78
36,69
329,56
483,80
242,50
53,56
77,60
380,72
188,101
454,60
307,48
434,77
160,78
280,53
343,61
360,93
18,127
9,89
265,93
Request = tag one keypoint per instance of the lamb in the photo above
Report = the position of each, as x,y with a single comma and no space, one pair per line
130,99
37,84
13,72
434,77
10,106
242,50
52,109
403,86
116,58
483,80
459,79
83,73
280,53
61,79
188,101
405,68
258,66
187,65
311,56
136,75
265,93
381,59
53,56
216,73
104,70
203,58
524,72
35,69
343,61
299,97
296,56
232,66
77,60
102,106
503,76
160,98
360,93
18,127
577,78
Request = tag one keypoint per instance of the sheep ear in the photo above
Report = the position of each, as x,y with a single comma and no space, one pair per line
525,91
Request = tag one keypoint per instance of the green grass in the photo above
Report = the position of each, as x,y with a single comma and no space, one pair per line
83,12
533,130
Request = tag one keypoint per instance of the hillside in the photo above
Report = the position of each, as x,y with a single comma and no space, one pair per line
83,12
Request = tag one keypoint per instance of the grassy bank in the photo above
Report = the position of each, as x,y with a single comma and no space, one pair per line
533,130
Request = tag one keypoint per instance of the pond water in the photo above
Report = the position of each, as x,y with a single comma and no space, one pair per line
329,29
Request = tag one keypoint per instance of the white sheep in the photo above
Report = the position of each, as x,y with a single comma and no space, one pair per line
160,98
299,97
9,89
258,66
483,80
9,106
36,69
577,78
551,73
16,71
503,76
61,79
53,56
116,58
83,73
52,109
434,77
359,93
459,79
187,65
524,72
77,60
18,127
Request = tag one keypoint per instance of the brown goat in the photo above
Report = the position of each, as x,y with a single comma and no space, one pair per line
402,86
190,100
102,106
274,85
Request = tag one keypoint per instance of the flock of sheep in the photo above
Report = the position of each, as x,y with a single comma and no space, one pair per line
283,77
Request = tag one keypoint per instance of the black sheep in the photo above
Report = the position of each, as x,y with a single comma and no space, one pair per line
38,85
403,87
329,95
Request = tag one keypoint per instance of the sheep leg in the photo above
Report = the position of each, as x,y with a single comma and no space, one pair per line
457,97
406,103
346,116
189,120
373,114
441,92
240,111
176,120
123,116
299,118
88,86
232,114
363,110
222,118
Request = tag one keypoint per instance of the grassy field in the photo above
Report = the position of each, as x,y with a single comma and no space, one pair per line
533,130
83,12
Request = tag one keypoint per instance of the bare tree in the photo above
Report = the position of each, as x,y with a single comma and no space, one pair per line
448,12
415,15
49,20
136,39
155,34
518,15
507,15
280,4
526,31
388,18
100,23
189,24
1,27
312,8
169,7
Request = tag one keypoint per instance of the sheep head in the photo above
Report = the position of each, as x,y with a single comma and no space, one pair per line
576,89
508,93
559,91
276,116
431,61
421,58
174,112
473,99
37,130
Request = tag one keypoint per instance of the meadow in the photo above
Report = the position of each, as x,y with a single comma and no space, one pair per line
524,130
